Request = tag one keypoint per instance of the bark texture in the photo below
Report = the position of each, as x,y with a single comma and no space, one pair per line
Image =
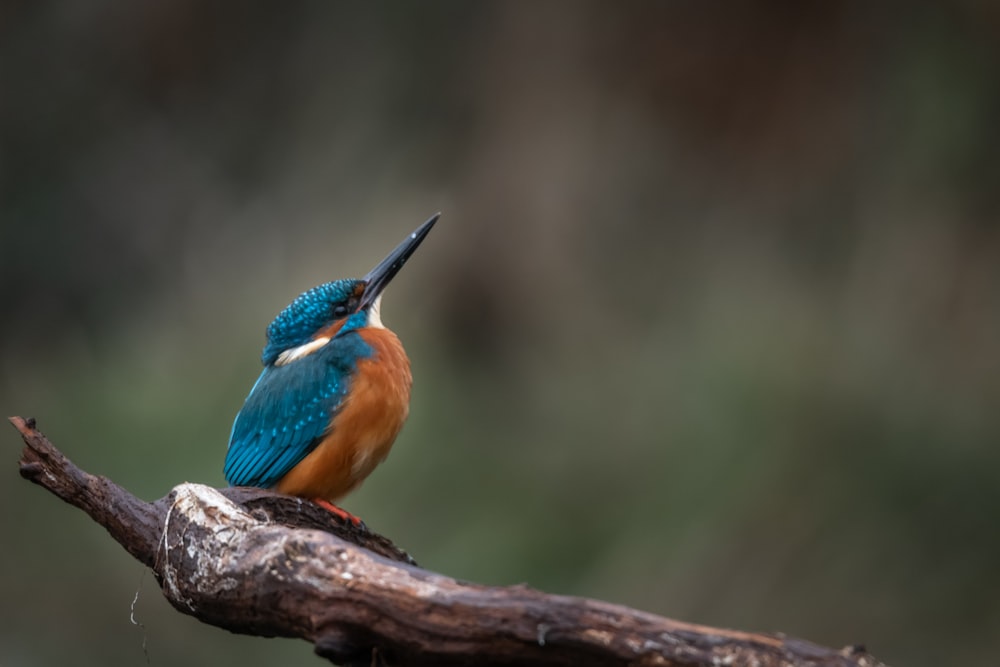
259,563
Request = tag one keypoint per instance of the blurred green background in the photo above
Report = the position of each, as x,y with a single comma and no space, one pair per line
710,325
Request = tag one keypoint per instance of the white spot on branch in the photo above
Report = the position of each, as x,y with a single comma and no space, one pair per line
226,524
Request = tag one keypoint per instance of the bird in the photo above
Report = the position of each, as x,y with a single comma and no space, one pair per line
334,392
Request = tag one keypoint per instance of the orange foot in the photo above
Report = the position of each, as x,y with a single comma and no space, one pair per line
340,513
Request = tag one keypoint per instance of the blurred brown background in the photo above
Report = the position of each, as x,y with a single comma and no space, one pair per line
710,325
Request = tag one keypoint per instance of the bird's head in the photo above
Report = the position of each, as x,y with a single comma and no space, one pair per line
336,308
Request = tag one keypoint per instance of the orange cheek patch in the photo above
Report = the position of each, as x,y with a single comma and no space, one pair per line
330,331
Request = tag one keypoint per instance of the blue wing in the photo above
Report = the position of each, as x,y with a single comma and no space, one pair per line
288,411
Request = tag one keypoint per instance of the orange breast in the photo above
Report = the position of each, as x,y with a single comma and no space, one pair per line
365,427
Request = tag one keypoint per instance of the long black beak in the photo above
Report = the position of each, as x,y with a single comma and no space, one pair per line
379,277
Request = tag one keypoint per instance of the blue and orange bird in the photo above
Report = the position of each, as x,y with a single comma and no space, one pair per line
334,392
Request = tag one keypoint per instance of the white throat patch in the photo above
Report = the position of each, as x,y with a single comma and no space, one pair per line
375,313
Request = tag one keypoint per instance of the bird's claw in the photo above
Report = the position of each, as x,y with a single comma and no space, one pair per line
340,513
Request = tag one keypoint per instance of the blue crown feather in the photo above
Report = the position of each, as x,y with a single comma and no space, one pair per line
302,318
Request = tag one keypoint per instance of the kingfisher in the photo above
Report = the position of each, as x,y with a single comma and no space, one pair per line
334,392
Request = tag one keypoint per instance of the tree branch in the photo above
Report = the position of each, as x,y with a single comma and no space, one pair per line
260,563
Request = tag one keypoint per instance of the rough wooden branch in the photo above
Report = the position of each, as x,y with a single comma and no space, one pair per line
255,562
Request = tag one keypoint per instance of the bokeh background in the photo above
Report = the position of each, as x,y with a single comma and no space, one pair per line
710,325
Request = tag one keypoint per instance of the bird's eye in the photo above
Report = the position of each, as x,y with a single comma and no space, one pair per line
340,311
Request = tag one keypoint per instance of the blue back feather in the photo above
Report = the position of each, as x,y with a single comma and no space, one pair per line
290,408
